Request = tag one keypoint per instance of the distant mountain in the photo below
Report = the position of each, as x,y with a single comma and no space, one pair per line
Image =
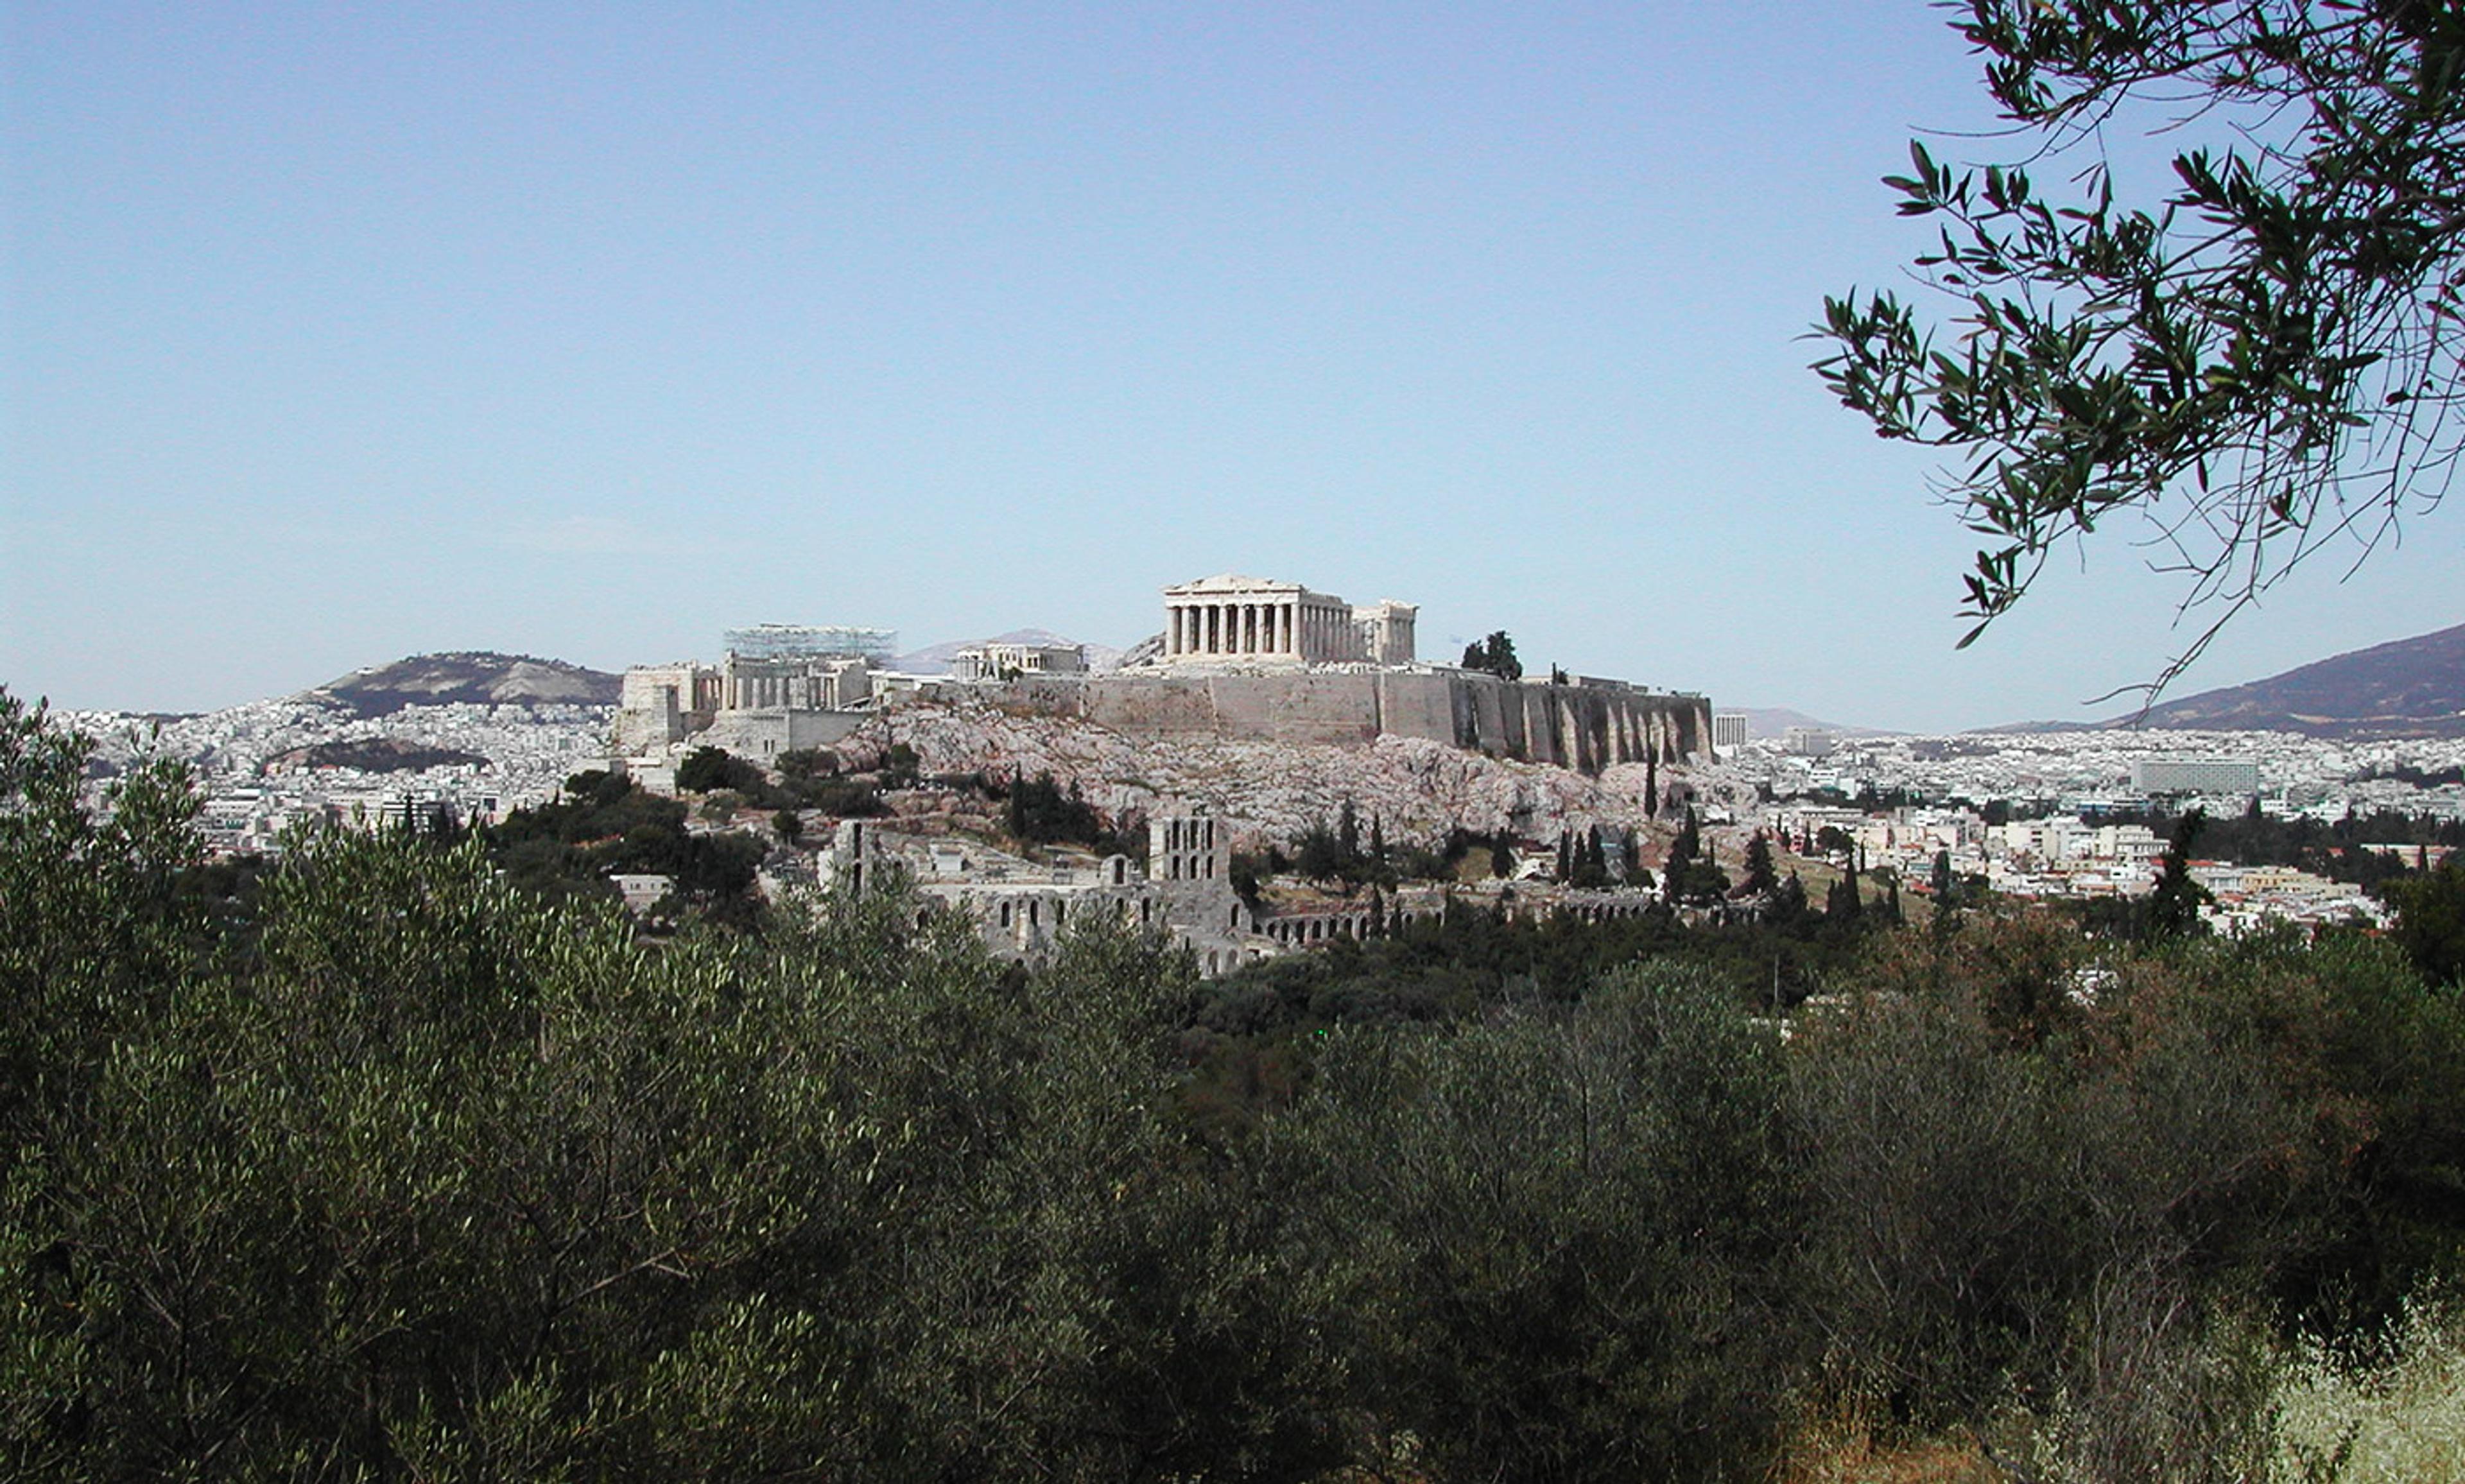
2409,688
2016,728
935,659
476,677
1776,720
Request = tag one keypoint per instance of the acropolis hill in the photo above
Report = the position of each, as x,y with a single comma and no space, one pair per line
1239,659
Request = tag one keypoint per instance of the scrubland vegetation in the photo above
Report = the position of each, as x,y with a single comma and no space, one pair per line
398,1169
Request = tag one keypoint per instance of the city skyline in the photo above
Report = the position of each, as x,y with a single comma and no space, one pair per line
333,337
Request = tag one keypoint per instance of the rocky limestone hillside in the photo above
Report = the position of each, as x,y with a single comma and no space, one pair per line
1418,790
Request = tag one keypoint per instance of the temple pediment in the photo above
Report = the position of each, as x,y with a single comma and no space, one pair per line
1232,582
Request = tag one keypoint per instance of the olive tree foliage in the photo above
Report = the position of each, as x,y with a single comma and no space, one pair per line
2086,1208
89,934
452,1183
440,1181
2264,363
1552,1240
90,943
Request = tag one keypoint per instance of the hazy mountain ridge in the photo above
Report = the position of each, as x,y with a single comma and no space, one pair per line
2413,687
2405,688
1777,721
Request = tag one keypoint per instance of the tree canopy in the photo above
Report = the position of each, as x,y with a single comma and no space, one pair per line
1495,654
2263,362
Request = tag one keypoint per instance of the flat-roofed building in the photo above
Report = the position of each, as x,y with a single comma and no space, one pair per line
2195,775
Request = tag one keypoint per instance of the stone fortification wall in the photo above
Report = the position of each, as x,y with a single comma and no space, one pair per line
1299,706
762,735
654,708
1424,704
1040,695
1587,725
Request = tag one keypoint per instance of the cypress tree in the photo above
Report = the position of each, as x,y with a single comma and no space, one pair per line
1761,876
2174,906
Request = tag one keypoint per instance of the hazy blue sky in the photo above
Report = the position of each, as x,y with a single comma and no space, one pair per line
335,333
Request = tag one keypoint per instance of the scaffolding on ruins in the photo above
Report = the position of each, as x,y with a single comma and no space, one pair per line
806,641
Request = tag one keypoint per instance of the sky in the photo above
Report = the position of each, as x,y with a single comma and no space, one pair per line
333,333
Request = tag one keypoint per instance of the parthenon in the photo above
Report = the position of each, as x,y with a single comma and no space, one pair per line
1228,617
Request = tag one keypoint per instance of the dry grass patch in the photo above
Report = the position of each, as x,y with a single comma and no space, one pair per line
1848,1453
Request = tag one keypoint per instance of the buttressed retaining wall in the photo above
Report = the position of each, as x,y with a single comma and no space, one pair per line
1589,724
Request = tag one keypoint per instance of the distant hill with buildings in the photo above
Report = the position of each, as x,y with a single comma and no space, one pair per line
935,659
2406,688
473,678
372,754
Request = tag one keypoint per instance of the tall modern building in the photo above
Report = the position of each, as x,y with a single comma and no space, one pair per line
2195,775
